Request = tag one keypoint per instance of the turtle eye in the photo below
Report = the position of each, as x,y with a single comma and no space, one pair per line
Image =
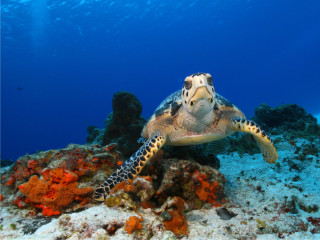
210,81
187,84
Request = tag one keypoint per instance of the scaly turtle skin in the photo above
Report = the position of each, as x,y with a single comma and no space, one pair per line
194,115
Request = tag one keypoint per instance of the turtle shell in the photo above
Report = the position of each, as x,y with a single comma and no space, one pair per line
168,110
223,104
170,106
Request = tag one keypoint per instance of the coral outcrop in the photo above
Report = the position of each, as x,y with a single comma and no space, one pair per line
56,190
125,124
60,180
172,213
49,180
195,183
95,135
164,178
5,162
133,223
287,118
204,154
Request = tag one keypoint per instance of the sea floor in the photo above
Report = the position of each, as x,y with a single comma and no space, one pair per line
264,201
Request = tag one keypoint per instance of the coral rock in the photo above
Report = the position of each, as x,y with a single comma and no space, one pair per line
125,123
57,190
177,221
132,224
90,163
120,199
288,117
143,188
208,190
95,135
190,181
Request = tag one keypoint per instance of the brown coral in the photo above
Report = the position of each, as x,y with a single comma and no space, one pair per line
195,183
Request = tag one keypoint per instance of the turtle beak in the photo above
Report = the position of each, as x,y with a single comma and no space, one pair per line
201,93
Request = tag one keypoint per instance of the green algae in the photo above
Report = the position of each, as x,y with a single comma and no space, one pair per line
121,199
13,226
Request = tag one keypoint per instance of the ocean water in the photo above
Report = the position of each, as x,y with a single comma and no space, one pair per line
62,61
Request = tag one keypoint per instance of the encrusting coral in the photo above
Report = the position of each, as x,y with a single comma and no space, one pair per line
57,190
208,191
133,223
195,183
49,179
172,213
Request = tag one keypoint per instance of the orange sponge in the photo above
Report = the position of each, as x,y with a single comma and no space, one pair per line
132,224
177,224
56,191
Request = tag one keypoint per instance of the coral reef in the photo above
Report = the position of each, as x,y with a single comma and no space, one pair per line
195,183
125,124
164,178
243,144
5,162
179,194
121,199
57,190
204,154
49,179
290,120
173,216
95,135
287,118
133,223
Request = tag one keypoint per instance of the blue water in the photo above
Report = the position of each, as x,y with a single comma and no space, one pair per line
63,60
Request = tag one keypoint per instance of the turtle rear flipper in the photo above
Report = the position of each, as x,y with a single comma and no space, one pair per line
132,167
268,150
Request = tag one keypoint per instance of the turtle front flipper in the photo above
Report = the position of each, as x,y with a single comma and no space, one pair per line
268,150
131,167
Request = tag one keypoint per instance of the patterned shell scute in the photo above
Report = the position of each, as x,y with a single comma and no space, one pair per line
222,101
170,105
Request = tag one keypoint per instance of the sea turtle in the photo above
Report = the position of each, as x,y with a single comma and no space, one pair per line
194,115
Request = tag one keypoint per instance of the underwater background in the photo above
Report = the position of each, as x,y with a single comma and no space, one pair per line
62,61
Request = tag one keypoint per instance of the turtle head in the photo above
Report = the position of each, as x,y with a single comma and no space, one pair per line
198,94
